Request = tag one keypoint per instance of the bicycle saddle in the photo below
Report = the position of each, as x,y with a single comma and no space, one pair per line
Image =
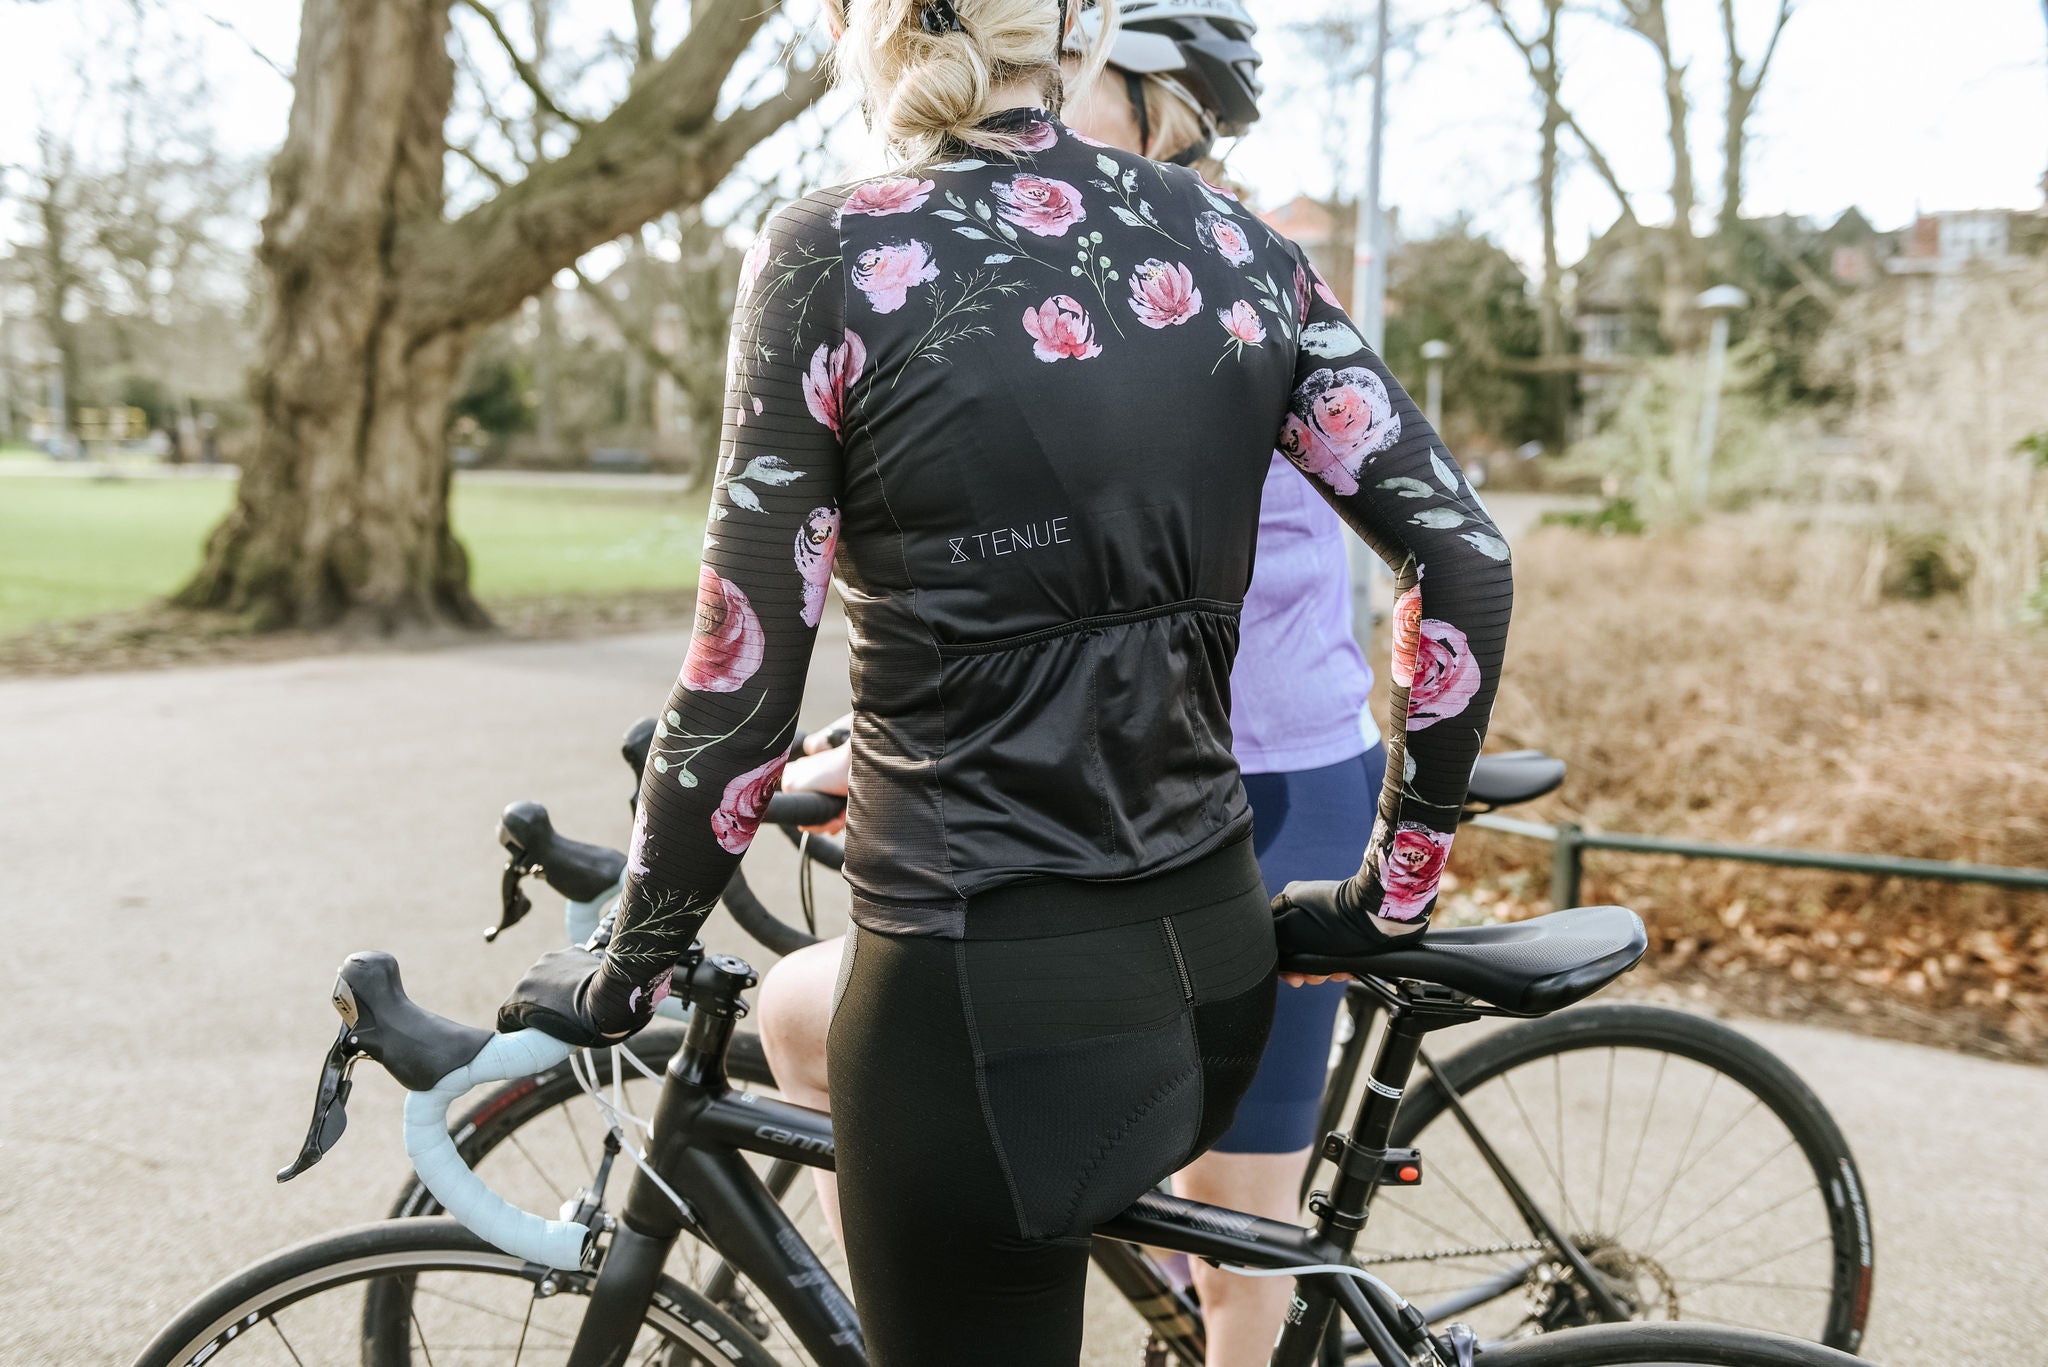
1528,967
1517,776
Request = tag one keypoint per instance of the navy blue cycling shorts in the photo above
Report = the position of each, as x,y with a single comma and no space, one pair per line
1312,823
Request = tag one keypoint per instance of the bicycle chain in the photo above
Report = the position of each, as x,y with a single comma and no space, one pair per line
1438,1255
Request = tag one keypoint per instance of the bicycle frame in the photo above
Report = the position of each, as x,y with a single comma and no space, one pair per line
702,1128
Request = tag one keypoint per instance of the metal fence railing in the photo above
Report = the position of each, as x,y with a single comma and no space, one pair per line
1570,842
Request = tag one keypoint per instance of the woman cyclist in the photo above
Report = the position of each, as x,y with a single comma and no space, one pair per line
1020,399
1305,742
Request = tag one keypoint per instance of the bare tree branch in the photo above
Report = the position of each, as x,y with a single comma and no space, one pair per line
1549,83
246,41
622,172
1744,83
636,336
527,75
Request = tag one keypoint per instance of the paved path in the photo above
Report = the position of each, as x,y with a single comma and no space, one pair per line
188,853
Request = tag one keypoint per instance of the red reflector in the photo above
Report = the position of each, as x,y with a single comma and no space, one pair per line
1411,1173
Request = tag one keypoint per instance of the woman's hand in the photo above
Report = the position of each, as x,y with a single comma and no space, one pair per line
1333,919
832,737
822,768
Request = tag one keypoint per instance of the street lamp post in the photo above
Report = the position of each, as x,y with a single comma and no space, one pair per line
1435,351
1717,303
1375,311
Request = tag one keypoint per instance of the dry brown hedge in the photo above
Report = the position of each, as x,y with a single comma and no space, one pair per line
1725,684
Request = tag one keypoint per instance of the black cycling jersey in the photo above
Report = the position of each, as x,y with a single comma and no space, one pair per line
1029,402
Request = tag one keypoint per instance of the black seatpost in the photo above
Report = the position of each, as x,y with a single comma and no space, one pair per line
1360,1159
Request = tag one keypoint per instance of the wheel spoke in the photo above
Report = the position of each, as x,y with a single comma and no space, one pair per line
525,1324
1656,1091
1684,1151
1780,1204
1737,1185
1527,1124
275,1328
420,1330
561,1193
1606,1119
440,1295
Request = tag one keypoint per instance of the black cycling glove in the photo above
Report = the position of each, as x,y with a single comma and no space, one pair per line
557,997
1331,920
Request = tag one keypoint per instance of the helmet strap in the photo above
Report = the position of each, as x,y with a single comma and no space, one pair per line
1134,87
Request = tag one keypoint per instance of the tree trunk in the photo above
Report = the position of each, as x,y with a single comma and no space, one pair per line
1677,319
376,298
342,513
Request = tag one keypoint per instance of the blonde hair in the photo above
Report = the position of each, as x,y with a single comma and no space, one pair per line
924,90
1177,125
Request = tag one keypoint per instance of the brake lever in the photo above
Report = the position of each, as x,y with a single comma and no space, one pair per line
513,903
330,1100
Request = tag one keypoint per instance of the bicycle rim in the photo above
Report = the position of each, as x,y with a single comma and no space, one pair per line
1698,1175
330,1301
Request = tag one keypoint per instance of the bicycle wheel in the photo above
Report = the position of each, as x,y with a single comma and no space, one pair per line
1663,1345
537,1142
329,1301
1699,1176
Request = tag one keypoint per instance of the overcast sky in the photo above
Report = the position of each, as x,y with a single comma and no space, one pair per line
1890,105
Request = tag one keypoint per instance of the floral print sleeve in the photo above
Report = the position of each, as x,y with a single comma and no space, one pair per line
722,739
1373,455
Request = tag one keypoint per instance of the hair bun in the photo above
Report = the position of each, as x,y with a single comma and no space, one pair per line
927,67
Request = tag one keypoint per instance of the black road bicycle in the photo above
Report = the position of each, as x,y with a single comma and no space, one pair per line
589,1288
1614,1162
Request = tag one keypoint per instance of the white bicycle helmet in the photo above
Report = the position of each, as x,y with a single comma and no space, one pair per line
1203,46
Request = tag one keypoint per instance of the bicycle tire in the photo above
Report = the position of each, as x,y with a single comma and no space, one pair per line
1714,1045
495,1115
391,1250
1662,1345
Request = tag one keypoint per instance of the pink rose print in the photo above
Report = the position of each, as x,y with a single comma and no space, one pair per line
1407,633
1301,294
1324,293
1078,136
816,542
833,371
657,991
1314,457
1041,205
1241,321
1229,240
1348,416
755,261
1162,295
636,853
1038,135
728,645
1445,675
1061,329
1217,189
746,799
1411,869
880,198
887,274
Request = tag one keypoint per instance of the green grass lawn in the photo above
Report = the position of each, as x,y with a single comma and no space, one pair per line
72,547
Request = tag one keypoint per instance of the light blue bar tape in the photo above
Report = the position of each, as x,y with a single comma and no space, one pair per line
489,1216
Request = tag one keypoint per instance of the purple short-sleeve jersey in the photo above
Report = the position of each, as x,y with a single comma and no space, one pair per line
1299,689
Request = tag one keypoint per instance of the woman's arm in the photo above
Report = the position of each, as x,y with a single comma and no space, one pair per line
719,748
1362,442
